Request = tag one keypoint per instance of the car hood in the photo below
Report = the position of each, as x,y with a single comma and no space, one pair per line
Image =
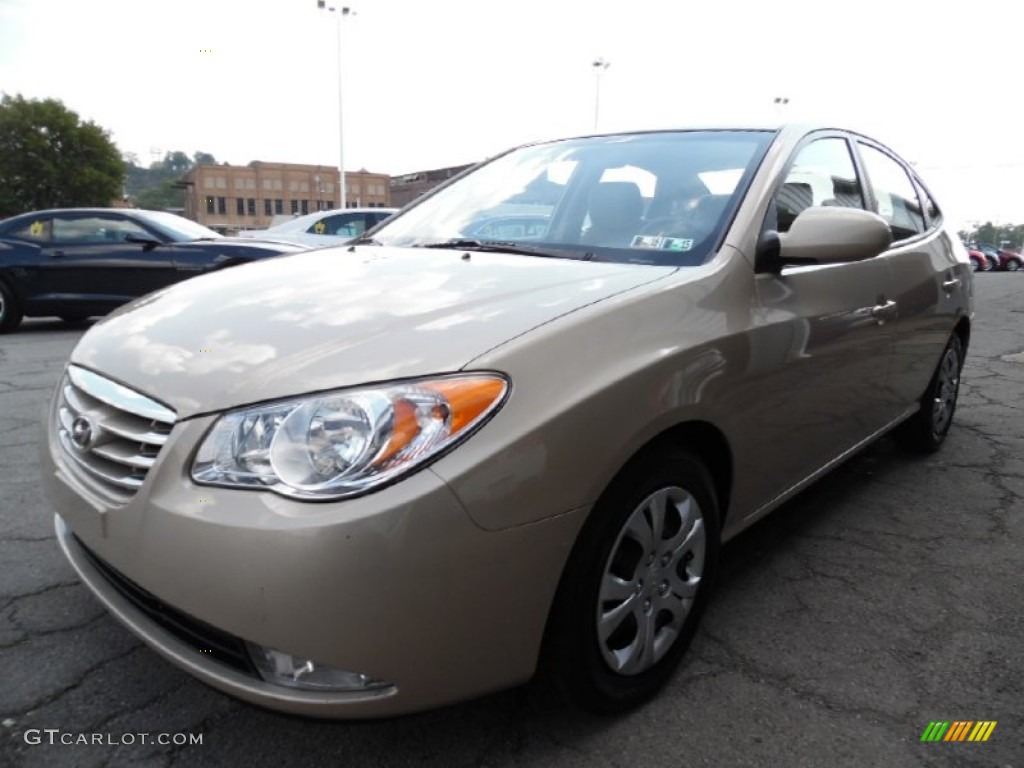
336,317
301,240
255,244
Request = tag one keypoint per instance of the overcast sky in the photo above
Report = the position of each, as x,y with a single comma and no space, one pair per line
430,84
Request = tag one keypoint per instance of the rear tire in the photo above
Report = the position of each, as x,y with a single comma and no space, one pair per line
635,585
10,312
1014,265
926,430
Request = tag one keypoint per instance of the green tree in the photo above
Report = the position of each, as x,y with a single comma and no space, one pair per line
157,187
158,198
49,158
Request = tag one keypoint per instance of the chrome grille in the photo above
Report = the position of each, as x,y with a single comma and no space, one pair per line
110,435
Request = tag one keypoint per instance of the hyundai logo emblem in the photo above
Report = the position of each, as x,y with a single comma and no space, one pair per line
81,433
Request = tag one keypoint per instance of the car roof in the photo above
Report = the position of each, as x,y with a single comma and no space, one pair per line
82,210
790,130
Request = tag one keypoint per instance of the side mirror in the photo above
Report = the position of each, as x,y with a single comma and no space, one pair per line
147,243
825,235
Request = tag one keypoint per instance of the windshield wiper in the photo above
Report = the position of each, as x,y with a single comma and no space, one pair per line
499,246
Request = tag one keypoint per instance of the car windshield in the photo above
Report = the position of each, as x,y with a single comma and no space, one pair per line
648,198
176,227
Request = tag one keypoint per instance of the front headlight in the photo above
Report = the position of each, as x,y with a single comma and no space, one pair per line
333,445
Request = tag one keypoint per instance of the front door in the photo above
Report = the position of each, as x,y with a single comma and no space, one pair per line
90,263
822,344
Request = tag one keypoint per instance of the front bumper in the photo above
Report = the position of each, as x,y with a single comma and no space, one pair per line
399,585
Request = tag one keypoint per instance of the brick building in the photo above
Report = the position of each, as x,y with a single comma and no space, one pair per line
234,197
409,186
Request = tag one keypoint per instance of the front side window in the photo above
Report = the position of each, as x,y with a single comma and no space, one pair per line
896,199
95,229
822,174
932,212
653,198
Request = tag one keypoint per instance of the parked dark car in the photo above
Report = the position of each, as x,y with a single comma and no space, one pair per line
79,262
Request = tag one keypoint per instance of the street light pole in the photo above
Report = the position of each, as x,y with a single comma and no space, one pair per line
340,13
599,65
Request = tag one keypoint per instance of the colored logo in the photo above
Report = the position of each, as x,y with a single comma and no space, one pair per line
959,730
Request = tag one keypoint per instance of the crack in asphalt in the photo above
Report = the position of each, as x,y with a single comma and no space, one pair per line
76,683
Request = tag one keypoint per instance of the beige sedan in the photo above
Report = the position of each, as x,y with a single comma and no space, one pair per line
375,479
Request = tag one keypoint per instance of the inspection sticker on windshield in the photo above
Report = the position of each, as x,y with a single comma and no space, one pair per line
659,243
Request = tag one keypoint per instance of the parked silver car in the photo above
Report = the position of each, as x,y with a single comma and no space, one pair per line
323,228
369,485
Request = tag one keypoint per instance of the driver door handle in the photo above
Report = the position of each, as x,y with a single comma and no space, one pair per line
883,312
58,254
950,285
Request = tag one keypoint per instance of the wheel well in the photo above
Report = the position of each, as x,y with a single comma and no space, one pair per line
709,445
963,330
9,285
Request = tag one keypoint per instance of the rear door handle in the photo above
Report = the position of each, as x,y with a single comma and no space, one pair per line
58,254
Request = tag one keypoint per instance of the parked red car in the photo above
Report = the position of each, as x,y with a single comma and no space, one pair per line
1008,261
979,261
1000,258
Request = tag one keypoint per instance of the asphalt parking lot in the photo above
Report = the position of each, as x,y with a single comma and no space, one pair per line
886,597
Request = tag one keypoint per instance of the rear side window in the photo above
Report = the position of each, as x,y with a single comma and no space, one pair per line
38,231
895,195
822,174
343,224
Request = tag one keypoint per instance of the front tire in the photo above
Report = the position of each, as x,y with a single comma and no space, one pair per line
636,584
1014,265
10,312
926,430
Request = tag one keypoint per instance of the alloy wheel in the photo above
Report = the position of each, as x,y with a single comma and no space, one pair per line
946,390
650,580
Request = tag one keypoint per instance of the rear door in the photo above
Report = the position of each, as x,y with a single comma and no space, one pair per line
929,280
